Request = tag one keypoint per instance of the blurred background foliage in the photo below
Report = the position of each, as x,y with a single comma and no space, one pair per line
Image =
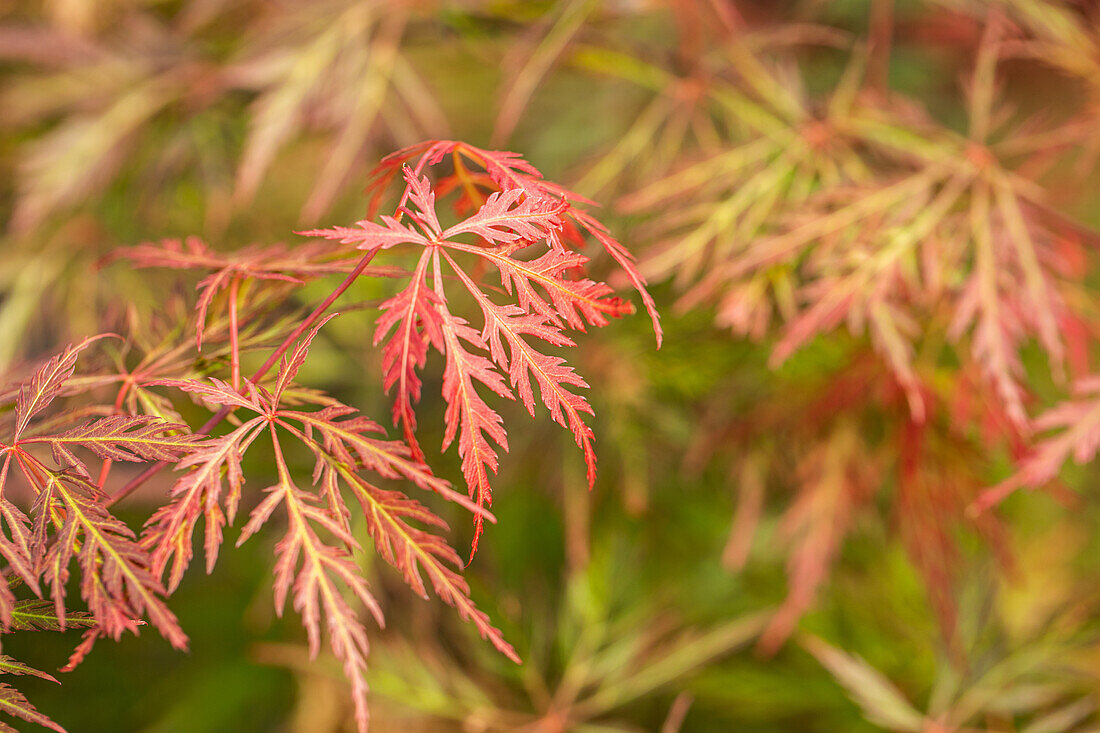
765,549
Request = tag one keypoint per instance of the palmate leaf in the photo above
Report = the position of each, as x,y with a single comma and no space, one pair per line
525,216
307,566
882,260
343,442
168,533
314,562
69,517
268,262
874,217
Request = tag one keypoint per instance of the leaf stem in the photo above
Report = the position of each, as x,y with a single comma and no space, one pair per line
105,470
234,336
221,414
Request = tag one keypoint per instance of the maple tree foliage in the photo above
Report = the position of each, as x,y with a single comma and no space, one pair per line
528,231
911,274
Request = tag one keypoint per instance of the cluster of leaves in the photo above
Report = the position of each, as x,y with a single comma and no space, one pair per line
525,228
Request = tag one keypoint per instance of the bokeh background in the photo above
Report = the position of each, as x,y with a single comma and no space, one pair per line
731,489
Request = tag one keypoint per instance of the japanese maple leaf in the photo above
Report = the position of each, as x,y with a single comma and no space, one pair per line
519,235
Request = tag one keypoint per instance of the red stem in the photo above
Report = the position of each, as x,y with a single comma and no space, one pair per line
220,415
234,336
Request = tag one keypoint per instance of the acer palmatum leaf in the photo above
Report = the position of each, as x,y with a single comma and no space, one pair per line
314,558
508,171
343,441
199,492
524,215
70,517
267,262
